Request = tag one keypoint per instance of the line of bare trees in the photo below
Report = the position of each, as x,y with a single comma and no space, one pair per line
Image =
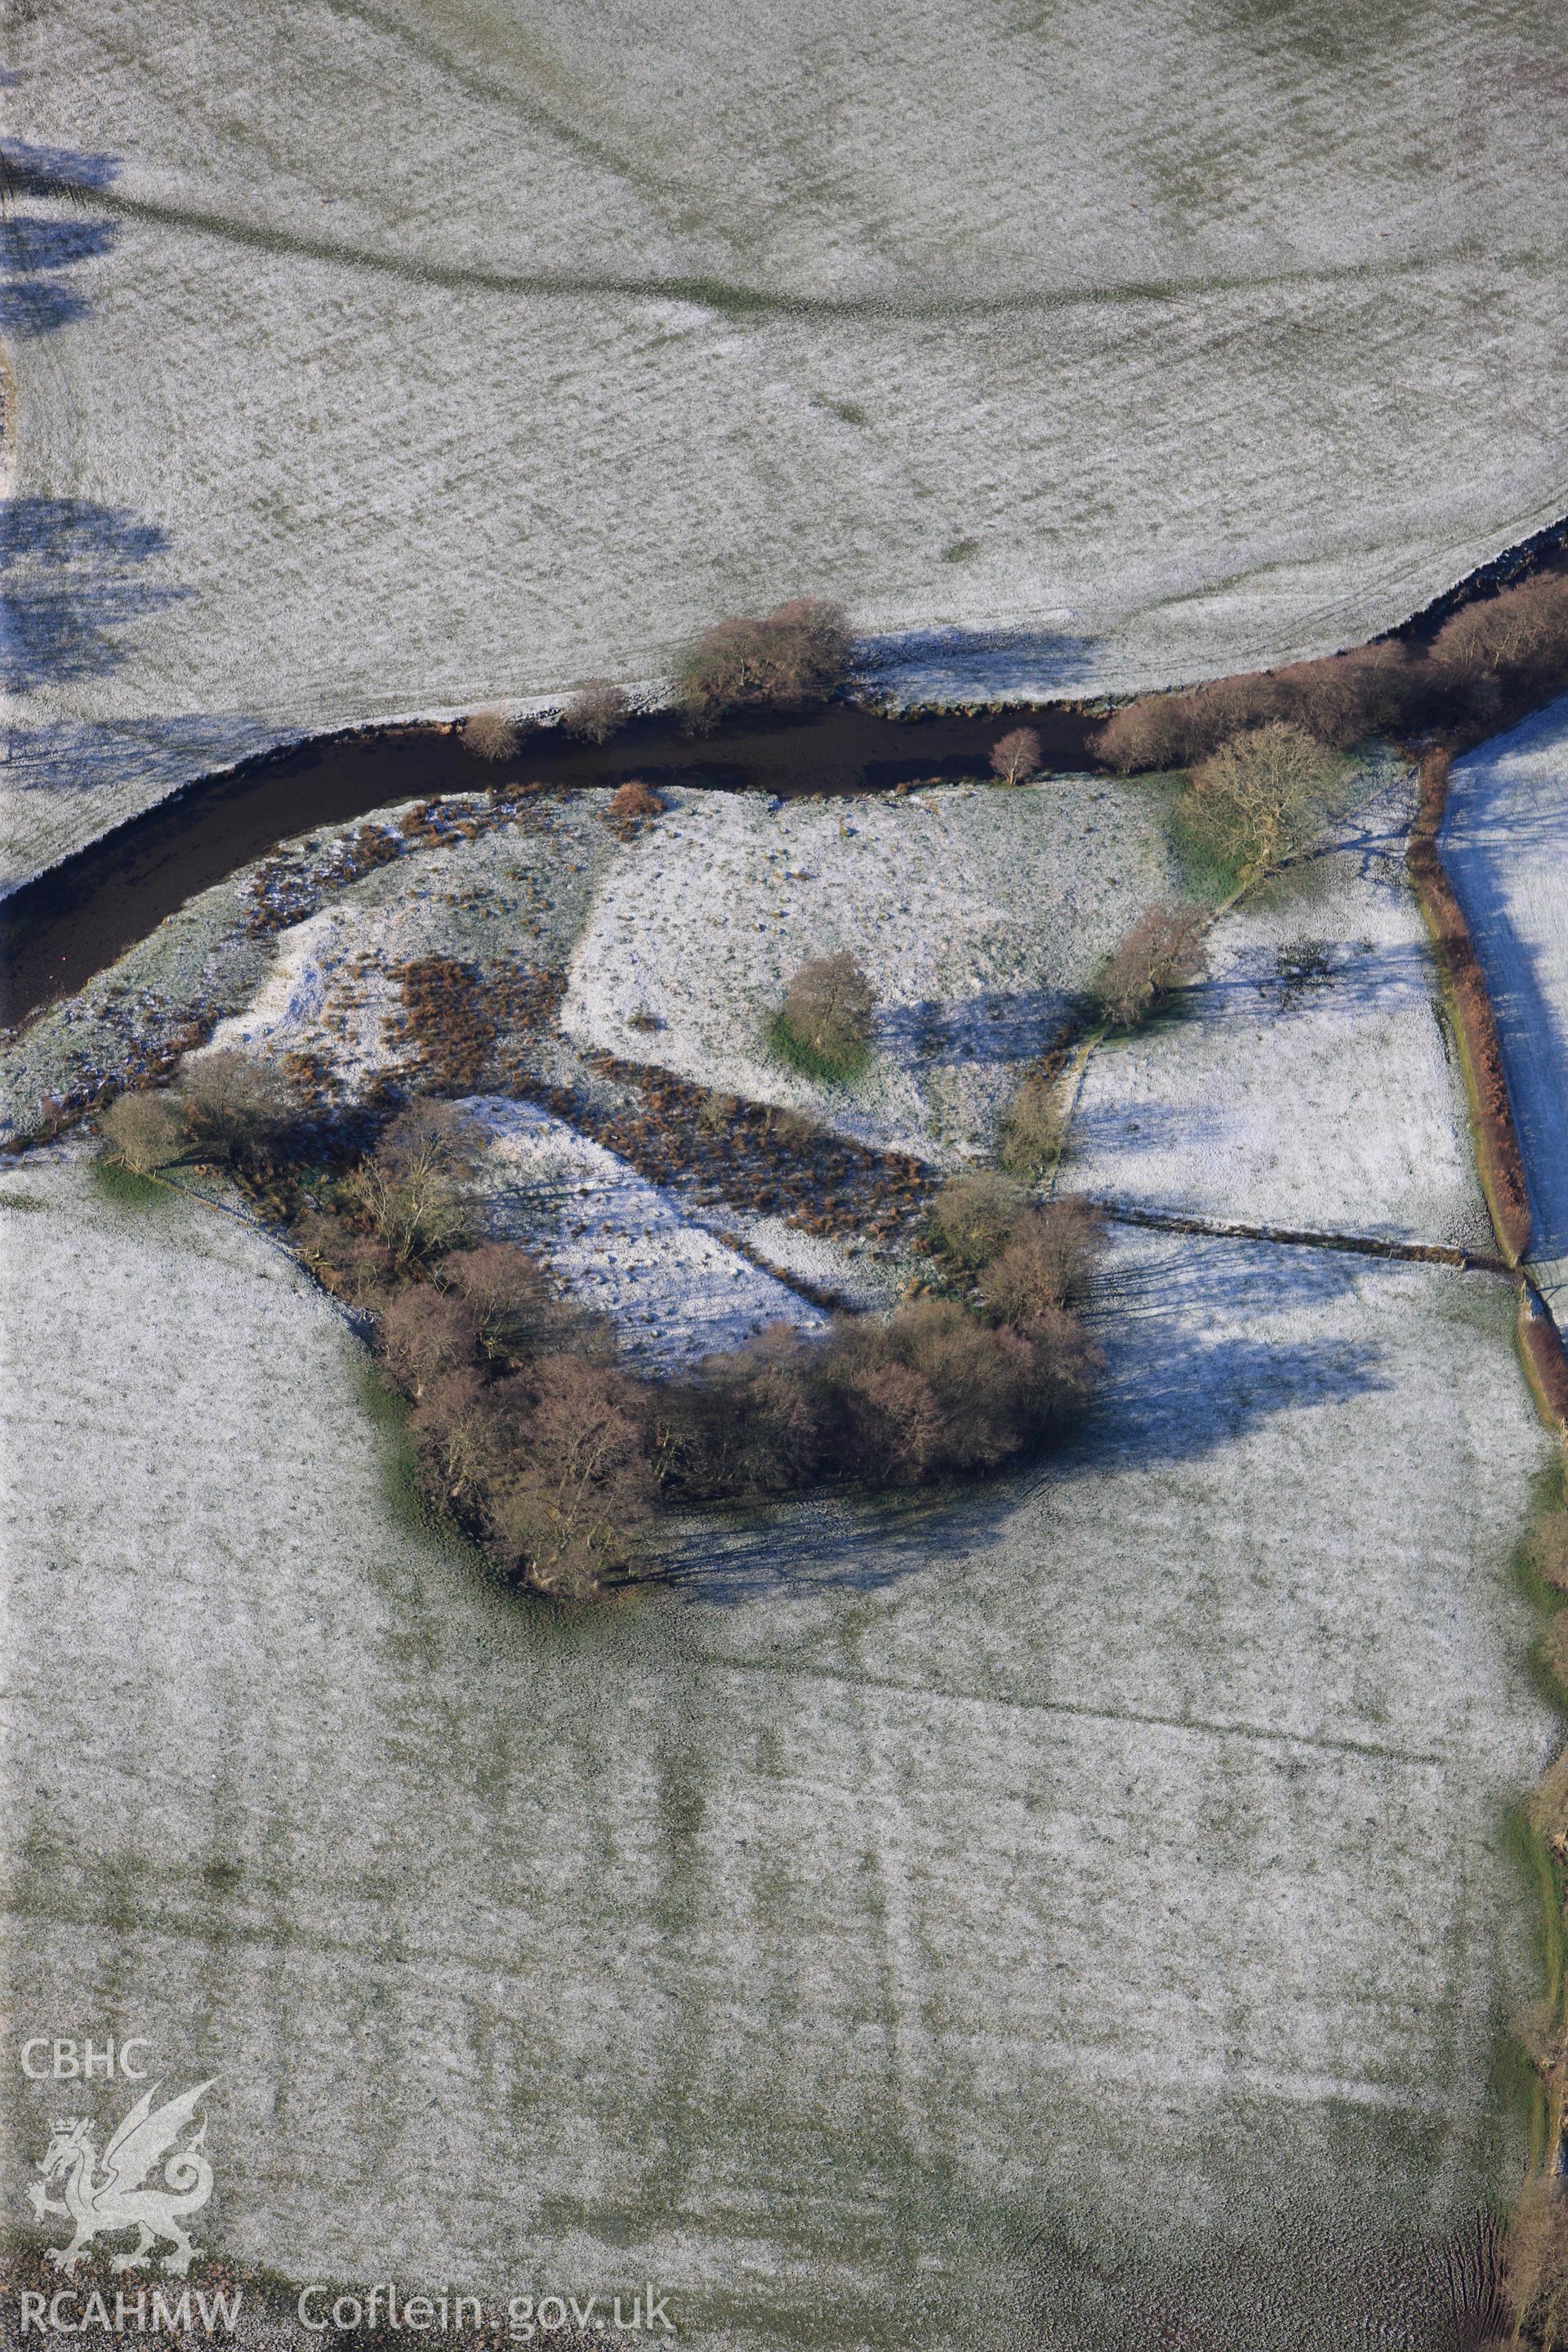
1491,660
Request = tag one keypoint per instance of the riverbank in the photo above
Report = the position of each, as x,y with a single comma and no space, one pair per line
75,918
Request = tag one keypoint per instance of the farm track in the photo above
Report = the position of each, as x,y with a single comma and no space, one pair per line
727,296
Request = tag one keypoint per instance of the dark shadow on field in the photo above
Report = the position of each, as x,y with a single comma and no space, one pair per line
1317,975
1481,849
940,1032
35,297
982,664
41,171
70,576
1136,1125
838,1543
1171,1393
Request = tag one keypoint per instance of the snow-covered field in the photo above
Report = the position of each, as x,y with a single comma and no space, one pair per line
975,911
409,356
1503,843
907,1916
1320,1015
619,1243
1081,1906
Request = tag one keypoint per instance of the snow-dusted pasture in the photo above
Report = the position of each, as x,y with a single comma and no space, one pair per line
331,988
325,986
1309,1079
905,1916
976,911
412,356
1069,1912
620,1244
1505,846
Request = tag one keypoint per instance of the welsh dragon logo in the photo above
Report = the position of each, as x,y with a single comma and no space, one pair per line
100,2203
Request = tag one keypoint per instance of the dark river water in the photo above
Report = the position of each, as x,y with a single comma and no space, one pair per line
81,916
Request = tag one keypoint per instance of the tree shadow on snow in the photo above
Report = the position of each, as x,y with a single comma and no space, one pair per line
71,576
1171,1395
36,297
1319,975
1131,1127
1179,1383
43,171
1486,860
993,665
943,1033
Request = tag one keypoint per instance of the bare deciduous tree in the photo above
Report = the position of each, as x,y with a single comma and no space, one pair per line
829,1009
1161,952
425,1332
597,711
491,734
1032,1133
235,1103
1261,795
143,1132
520,1309
412,1187
1017,756
1047,1261
974,1215
579,1490
1520,630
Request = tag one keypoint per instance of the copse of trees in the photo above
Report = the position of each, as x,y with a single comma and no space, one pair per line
1506,648
549,1452
1025,1257
557,1460
229,1109
798,653
556,1457
413,1186
932,1392
1046,1263
1340,701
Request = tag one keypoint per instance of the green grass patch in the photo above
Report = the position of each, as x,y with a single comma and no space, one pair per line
1547,1497
1513,2072
126,1189
389,1412
1207,874
834,1070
